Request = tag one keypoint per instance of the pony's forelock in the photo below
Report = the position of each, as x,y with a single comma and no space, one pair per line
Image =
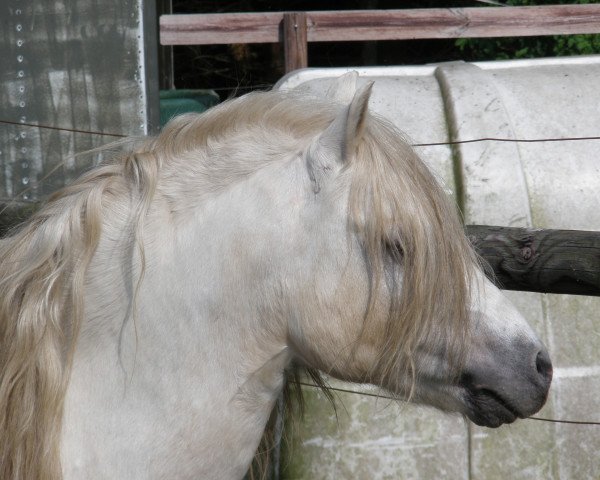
406,221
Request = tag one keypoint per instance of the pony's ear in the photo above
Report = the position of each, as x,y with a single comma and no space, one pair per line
343,88
337,144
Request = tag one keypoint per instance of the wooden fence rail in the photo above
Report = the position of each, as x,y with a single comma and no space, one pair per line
363,25
546,261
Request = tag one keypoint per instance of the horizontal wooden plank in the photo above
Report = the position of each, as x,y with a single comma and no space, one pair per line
357,25
455,23
220,28
547,261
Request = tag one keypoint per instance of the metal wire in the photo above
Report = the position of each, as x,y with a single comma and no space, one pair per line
388,397
62,129
513,140
431,144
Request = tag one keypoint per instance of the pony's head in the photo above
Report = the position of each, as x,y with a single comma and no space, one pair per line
386,288
356,253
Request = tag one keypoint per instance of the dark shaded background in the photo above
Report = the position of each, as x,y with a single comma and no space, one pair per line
236,69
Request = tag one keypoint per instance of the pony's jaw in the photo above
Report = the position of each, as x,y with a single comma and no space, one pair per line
505,376
508,370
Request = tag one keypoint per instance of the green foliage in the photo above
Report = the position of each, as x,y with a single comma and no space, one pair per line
530,47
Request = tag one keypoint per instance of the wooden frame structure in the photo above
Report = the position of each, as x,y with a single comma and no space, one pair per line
296,29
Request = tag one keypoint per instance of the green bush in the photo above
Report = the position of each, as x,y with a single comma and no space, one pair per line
530,47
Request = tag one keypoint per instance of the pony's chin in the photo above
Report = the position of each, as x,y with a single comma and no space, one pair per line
487,408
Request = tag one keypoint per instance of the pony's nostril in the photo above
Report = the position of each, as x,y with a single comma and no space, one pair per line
543,365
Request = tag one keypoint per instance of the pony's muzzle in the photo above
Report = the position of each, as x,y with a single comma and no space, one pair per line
513,386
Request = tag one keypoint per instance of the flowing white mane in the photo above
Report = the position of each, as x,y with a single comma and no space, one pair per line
204,154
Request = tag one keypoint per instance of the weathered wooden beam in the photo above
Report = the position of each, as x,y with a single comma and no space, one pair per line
454,23
547,261
364,25
295,46
219,28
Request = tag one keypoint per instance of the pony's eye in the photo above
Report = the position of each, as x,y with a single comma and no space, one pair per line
395,249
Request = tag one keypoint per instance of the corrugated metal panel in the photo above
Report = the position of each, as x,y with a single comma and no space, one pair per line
543,185
87,65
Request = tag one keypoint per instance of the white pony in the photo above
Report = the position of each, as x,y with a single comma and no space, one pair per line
150,311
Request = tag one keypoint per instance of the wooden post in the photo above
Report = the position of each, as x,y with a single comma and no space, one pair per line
294,41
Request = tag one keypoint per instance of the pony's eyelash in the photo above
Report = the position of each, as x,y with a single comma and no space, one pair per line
394,247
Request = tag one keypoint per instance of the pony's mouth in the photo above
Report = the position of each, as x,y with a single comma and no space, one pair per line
486,407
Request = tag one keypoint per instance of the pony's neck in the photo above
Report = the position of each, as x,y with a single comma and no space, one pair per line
188,379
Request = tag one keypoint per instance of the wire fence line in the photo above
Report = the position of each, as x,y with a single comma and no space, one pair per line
389,397
426,144
61,129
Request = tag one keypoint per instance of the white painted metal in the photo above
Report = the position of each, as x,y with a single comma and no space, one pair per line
85,65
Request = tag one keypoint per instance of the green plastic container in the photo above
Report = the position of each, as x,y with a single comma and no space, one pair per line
176,102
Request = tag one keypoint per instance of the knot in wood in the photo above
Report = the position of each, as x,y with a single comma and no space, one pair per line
526,253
